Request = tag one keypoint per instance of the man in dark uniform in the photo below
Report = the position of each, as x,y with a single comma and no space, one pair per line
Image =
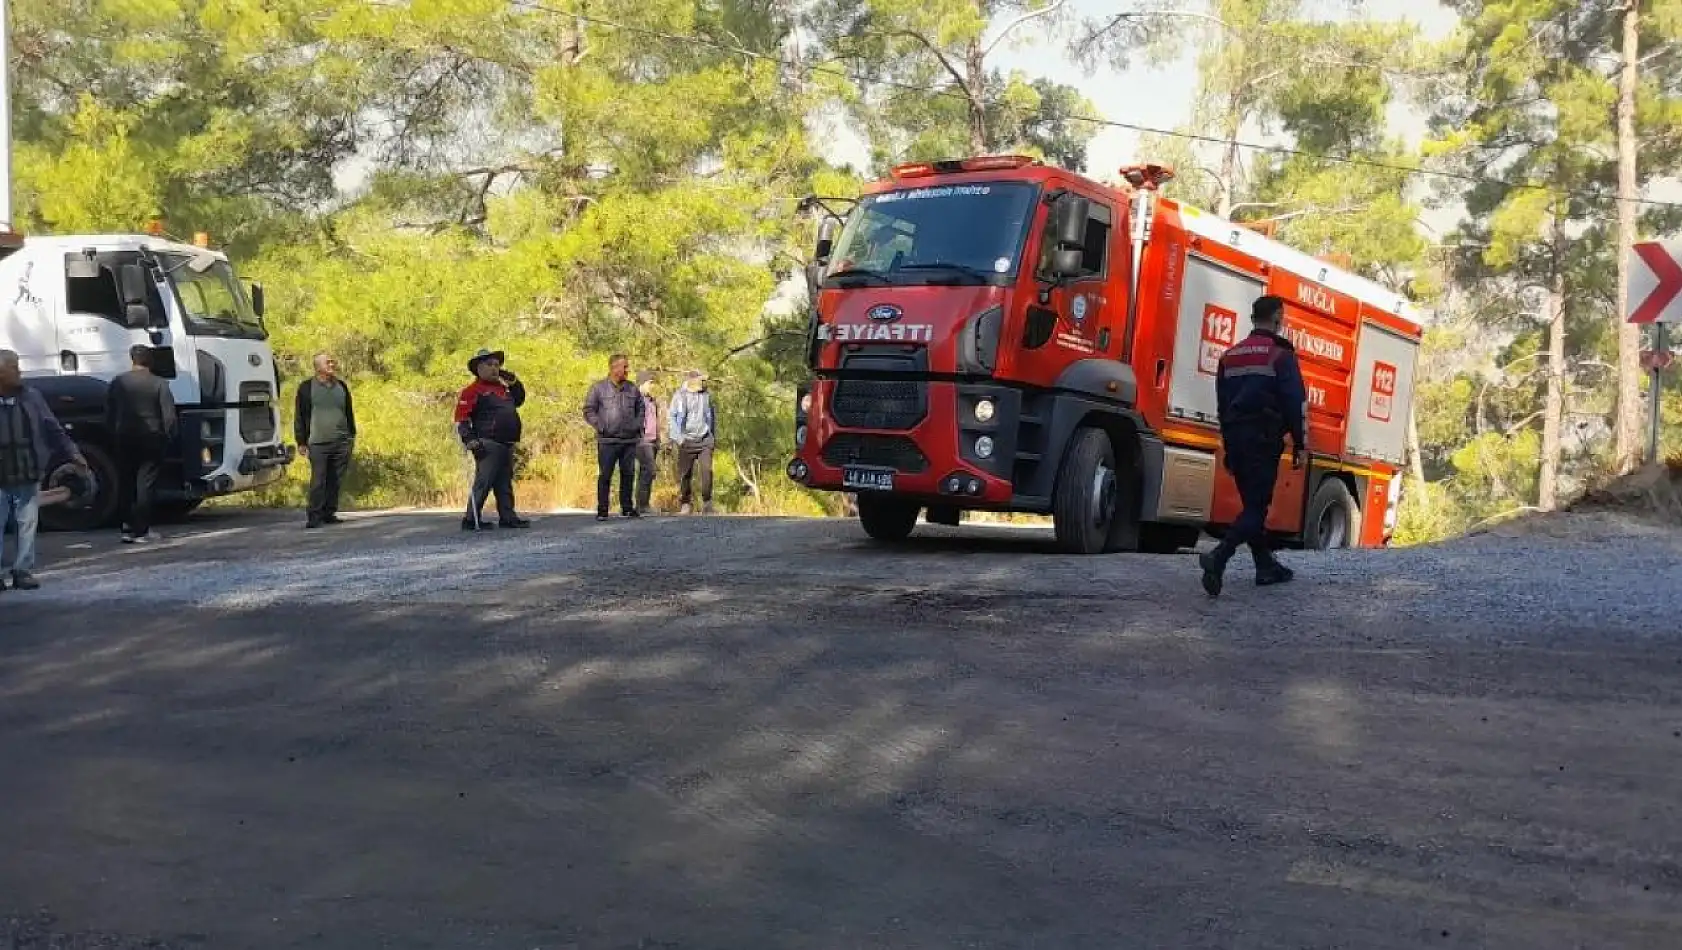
1260,397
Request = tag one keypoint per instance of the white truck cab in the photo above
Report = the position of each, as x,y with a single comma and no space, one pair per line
72,306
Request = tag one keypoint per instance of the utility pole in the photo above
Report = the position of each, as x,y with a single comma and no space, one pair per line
5,119
1661,355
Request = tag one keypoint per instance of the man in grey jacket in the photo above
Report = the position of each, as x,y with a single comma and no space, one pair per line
614,408
31,439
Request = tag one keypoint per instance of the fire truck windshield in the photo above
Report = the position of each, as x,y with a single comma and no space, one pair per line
939,234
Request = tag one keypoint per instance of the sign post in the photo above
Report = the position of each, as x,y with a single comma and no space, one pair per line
1655,294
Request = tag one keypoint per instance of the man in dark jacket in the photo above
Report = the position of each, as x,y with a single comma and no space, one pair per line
31,440
488,421
140,415
1260,398
324,426
615,409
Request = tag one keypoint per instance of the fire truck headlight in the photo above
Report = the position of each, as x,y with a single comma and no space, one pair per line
984,447
984,411
800,436
806,402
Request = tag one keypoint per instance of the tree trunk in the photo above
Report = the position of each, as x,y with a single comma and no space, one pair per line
975,69
1553,410
1229,160
1416,461
1627,427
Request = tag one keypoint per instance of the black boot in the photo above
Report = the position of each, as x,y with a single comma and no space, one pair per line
1268,569
1214,568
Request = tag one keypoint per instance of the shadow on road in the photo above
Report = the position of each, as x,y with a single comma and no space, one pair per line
783,744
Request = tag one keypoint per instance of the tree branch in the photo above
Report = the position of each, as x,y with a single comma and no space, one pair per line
951,70
1024,18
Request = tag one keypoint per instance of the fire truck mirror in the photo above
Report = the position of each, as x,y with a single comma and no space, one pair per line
826,239
1068,227
1065,262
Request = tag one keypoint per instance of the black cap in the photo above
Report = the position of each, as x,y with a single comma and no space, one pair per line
1267,309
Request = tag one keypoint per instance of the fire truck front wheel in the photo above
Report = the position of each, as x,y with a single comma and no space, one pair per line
886,518
1089,495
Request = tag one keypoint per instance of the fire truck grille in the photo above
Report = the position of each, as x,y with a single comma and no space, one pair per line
879,403
897,452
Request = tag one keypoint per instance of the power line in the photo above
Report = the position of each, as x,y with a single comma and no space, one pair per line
1469,178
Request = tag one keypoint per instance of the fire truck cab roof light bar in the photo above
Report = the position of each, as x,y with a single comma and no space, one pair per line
985,163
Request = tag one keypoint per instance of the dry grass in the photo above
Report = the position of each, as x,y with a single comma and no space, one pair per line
1644,503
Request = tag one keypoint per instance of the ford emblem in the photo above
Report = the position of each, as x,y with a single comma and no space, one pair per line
884,312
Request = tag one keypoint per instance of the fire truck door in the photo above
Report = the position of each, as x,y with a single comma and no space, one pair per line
1077,313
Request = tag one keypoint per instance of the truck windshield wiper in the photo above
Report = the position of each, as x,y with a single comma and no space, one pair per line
974,273
857,273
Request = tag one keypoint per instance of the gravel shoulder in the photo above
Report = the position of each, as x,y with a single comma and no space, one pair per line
734,733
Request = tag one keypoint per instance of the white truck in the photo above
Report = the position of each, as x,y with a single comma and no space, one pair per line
72,306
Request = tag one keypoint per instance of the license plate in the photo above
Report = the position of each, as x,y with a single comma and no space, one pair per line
867,479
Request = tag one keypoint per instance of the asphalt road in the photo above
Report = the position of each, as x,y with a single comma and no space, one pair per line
734,733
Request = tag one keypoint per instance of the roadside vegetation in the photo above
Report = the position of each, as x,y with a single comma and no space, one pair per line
415,181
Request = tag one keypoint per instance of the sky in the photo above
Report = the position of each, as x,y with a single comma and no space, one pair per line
1158,98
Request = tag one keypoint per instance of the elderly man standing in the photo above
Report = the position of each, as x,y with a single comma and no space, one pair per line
694,430
614,407
30,440
488,422
648,450
324,426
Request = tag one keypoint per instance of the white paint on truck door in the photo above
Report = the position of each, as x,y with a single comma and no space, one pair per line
1214,314
1383,395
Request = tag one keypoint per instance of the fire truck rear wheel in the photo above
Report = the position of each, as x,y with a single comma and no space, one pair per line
1334,520
1085,503
886,518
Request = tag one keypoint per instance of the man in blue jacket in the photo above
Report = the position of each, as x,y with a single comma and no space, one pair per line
31,439
694,430
1260,398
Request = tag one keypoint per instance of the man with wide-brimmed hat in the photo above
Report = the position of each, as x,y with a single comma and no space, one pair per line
488,421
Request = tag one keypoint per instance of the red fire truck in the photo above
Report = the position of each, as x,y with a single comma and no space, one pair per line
996,334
